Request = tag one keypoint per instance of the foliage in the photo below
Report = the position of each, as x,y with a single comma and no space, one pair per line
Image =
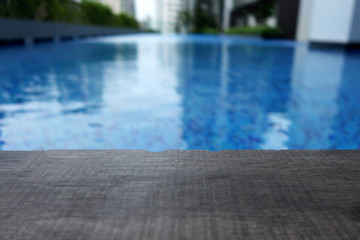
272,32
211,31
263,10
2,9
184,21
203,20
86,12
152,31
197,22
125,20
63,11
262,30
41,10
266,9
244,30
95,13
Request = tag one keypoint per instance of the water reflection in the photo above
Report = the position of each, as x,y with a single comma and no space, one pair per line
226,105
325,88
160,93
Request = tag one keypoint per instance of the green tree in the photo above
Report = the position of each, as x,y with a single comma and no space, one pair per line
184,21
63,11
203,20
2,8
263,10
41,10
96,13
199,22
86,12
125,20
21,8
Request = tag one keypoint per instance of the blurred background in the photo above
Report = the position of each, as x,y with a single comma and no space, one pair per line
330,21
179,74
303,20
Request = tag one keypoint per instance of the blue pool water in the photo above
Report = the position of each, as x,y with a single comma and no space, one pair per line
196,92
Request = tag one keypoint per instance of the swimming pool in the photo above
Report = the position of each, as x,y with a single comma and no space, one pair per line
179,92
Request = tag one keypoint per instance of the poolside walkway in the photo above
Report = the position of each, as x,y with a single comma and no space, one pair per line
174,194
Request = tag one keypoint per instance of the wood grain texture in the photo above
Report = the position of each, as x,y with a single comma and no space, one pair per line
135,194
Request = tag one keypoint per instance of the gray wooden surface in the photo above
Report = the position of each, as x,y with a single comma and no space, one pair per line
180,195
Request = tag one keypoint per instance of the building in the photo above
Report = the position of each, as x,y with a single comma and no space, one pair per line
324,21
168,11
127,6
227,13
215,7
329,21
320,21
146,14
120,6
113,4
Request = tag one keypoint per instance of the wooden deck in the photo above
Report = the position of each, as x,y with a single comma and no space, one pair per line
174,194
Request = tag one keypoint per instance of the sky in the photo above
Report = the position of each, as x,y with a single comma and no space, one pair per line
145,8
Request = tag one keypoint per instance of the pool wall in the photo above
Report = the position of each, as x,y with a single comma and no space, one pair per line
28,32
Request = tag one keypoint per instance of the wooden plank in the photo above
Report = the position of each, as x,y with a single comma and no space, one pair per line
135,194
